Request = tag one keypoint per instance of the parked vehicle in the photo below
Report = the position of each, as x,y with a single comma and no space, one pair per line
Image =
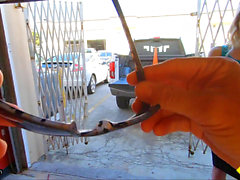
72,68
90,50
106,56
96,72
123,65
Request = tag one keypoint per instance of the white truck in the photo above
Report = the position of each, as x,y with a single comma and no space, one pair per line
166,47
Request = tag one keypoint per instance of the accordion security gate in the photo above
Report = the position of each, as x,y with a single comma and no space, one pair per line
56,36
55,31
214,18
213,21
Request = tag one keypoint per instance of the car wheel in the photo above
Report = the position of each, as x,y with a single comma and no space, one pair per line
122,102
91,88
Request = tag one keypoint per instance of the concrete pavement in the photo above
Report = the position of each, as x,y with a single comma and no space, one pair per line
127,154
124,155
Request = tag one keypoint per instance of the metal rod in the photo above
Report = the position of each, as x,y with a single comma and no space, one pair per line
139,68
138,65
54,128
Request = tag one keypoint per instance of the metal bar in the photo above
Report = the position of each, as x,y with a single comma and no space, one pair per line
70,53
138,65
44,126
47,74
84,101
76,54
62,94
139,69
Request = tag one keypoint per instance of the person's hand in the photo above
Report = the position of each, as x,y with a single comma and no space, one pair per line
198,95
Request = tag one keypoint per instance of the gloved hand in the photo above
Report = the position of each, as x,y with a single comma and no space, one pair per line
198,95
4,122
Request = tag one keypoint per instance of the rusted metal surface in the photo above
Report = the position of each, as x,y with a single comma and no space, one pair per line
134,54
55,128
48,127
135,58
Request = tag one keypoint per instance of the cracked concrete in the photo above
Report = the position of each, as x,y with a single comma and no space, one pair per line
124,155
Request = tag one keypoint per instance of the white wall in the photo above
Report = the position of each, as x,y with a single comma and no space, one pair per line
152,18
183,27
146,19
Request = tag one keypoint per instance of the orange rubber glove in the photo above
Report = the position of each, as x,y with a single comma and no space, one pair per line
198,95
